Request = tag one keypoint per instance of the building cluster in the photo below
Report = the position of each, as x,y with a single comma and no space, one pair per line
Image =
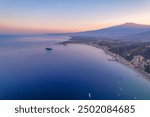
139,61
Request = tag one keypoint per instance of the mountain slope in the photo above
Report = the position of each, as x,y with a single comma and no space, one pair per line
144,36
117,32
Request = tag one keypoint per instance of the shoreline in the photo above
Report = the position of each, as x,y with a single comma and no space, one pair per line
124,62
117,58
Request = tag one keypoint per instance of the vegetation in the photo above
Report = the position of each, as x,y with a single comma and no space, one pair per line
123,48
147,69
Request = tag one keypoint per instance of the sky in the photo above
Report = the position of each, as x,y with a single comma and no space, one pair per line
50,16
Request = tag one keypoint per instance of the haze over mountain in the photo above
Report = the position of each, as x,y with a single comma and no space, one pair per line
126,31
119,31
144,36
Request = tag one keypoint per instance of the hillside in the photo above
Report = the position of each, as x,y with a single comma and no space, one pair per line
117,32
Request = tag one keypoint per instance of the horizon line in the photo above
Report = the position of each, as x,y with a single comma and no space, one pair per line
37,31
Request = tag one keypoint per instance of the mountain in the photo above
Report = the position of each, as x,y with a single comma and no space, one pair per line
117,32
144,36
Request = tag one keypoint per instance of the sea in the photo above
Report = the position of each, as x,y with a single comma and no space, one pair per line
67,72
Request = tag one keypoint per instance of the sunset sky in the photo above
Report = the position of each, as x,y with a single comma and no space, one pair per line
43,16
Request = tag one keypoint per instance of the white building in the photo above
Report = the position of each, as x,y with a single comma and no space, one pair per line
138,61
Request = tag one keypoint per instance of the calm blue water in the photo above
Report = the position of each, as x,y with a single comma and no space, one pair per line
28,71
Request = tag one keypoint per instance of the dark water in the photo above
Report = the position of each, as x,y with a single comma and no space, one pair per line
28,71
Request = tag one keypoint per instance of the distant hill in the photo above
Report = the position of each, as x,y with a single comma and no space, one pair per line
117,32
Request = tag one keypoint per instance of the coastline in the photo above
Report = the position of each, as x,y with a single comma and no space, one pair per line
116,58
124,62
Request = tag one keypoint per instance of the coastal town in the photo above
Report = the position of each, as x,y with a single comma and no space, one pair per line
136,62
